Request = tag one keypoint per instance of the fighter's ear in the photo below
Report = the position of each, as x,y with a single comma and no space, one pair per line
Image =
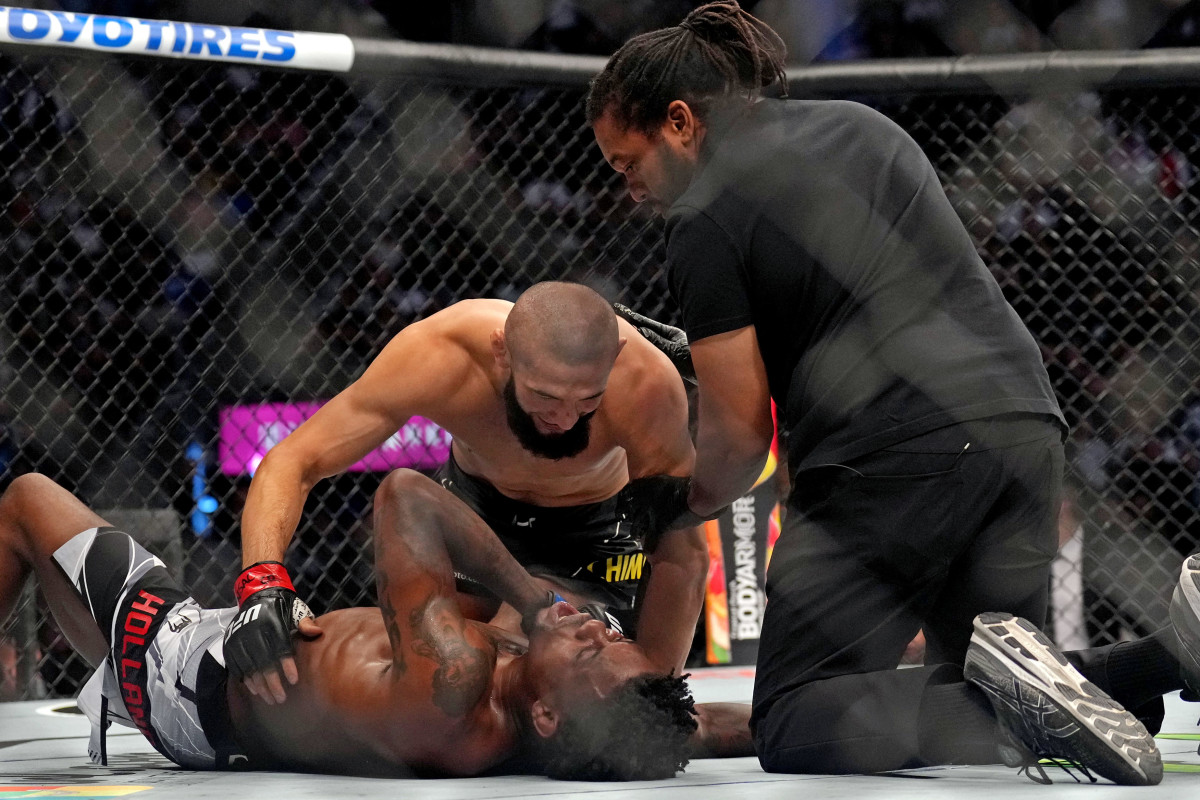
545,719
682,122
500,348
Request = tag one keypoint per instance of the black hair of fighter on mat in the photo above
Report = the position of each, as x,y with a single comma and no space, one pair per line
639,732
718,53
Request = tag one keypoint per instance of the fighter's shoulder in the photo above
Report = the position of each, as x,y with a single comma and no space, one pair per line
642,366
461,332
466,320
645,387
473,313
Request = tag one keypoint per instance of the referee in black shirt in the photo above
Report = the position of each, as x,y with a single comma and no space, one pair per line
817,261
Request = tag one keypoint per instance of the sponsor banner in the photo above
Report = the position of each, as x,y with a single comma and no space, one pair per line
739,544
774,527
716,600
132,36
743,540
247,432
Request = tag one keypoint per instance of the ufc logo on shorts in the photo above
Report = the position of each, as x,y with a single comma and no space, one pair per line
246,617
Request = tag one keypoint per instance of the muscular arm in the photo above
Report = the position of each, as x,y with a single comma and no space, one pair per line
659,444
734,431
422,534
413,368
673,598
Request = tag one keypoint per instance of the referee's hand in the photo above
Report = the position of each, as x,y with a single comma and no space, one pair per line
670,340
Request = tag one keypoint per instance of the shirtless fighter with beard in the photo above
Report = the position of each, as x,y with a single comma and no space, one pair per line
566,426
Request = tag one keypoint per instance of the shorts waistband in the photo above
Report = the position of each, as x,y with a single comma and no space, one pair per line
486,496
212,706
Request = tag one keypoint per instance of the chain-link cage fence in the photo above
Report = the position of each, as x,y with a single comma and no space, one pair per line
187,245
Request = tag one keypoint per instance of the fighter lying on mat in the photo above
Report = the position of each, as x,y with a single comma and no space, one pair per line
554,406
408,688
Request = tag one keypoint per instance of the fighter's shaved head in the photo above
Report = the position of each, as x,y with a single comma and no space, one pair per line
565,322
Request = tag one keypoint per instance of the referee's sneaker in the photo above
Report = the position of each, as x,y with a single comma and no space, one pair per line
1049,713
1185,619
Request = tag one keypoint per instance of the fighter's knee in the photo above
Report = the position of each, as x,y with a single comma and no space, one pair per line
22,490
402,487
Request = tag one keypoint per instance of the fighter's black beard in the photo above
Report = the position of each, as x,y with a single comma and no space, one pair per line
554,446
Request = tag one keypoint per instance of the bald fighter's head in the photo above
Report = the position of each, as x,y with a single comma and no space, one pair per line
564,322
559,344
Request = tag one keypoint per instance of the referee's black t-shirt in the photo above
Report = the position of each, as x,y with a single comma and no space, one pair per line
823,224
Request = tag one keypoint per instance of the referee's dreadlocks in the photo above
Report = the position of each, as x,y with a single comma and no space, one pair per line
717,54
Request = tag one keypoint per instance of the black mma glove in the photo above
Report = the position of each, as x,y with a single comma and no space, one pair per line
269,616
667,338
656,504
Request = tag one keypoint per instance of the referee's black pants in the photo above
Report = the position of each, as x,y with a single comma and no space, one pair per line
926,534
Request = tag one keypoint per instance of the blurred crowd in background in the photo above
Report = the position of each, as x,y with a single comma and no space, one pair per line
182,237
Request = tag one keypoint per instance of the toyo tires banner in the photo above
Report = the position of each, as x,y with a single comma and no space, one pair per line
133,36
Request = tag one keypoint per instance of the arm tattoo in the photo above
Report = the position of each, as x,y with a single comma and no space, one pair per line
389,622
463,671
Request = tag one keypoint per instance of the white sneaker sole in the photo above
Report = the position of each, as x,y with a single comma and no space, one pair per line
1092,728
1185,619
